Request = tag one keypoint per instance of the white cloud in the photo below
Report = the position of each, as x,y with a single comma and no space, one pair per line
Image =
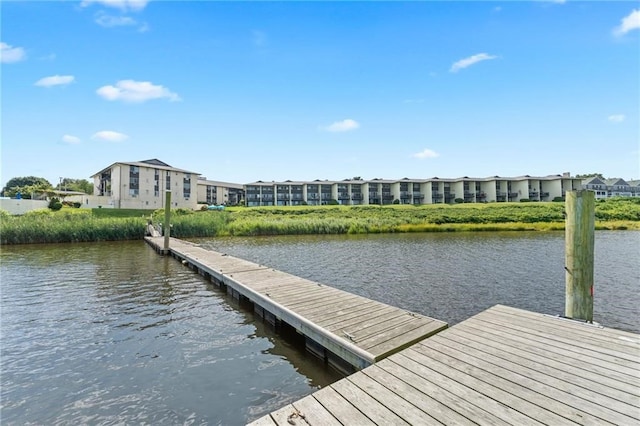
427,153
109,21
124,5
71,140
55,80
10,54
342,126
616,118
628,23
136,91
110,136
467,62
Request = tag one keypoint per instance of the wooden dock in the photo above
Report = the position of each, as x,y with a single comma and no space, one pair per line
349,331
504,366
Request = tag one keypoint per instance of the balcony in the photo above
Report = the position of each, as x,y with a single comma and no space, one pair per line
437,195
343,196
533,194
418,196
544,195
358,197
468,196
481,195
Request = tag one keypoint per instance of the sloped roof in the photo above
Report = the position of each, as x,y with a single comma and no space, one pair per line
594,180
154,163
616,181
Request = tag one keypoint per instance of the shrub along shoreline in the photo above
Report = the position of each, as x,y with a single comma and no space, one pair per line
80,225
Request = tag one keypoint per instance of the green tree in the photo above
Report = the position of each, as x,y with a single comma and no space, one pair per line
26,186
590,175
79,185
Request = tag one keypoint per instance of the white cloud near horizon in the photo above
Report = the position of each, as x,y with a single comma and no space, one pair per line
342,126
55,80
109,21
124,5
467,62
628,23
71,140
426,153
10,54
136,92
109,136
616,118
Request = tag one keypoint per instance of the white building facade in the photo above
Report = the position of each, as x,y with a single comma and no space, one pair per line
411,191
143,185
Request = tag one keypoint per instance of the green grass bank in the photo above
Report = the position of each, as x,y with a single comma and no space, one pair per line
79,225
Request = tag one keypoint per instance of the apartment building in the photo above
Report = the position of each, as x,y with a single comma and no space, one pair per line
142,185
411,191
615,187
219,193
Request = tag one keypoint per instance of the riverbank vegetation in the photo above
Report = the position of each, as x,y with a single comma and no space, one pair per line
76,225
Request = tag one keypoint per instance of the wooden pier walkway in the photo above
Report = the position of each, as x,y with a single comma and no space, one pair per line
504,366
349,331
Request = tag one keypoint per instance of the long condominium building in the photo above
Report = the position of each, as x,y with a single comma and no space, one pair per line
410,191
143,184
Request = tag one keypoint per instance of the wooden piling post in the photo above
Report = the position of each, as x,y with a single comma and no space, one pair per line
167,219
579,249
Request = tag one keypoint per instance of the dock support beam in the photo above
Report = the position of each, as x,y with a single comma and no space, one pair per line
167,220
579,249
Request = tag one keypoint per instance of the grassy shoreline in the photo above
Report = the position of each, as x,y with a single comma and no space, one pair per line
79,225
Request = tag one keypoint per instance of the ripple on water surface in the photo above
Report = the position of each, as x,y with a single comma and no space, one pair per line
114,334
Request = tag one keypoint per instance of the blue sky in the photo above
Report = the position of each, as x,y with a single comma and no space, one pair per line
246,91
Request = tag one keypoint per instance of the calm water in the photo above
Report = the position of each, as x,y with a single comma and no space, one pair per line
112,333
115,334
453,276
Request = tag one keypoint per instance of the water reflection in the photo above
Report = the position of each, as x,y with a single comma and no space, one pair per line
114,333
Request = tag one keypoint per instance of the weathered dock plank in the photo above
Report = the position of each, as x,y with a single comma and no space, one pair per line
337,325
503,366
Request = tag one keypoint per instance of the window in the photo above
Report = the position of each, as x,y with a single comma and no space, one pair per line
186,186
134,181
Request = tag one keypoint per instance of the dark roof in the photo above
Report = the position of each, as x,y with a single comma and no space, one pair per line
147,163
594,180
155,162
616,181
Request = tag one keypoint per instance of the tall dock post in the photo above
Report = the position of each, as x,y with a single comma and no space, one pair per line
579,243
167,219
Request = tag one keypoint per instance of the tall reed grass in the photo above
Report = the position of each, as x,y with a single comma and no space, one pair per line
75,225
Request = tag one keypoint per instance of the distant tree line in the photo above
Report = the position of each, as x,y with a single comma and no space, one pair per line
28,186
